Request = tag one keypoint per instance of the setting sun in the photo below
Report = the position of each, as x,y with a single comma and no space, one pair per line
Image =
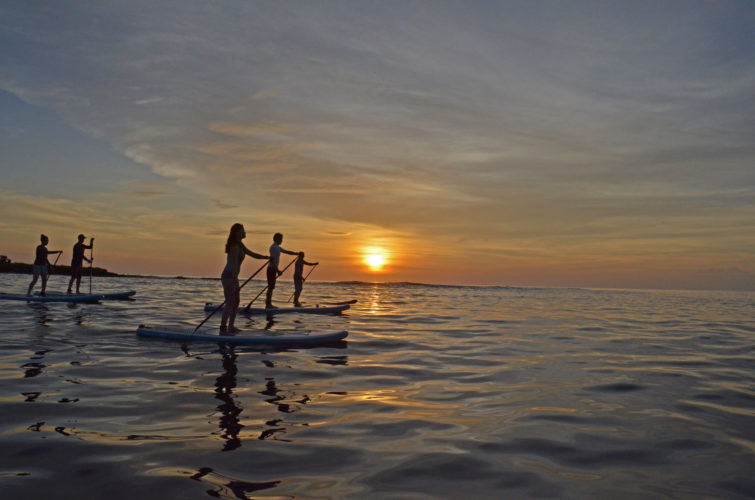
374,261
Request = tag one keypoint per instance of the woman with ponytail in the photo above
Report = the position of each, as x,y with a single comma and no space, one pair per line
41,265
230,277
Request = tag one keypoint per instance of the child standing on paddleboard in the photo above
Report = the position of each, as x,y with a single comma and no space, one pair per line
298,278
41,265
272,269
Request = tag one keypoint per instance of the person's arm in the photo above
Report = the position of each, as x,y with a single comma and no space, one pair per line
254,254
311,263
288,251
51,252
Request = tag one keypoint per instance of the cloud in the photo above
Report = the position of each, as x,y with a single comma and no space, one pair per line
253,130
224,206
617,129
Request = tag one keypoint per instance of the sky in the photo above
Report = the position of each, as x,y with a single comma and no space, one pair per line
526,143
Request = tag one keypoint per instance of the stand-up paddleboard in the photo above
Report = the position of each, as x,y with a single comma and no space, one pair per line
103,296
52,298
247,337
209,307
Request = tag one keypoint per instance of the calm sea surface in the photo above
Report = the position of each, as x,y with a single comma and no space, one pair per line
438,392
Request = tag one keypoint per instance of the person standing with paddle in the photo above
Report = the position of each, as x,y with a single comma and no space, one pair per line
298,276
230,277
77,260
41,265
272,267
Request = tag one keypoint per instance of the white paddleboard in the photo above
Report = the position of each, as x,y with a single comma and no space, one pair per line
53,298
104,296
209,307
247,337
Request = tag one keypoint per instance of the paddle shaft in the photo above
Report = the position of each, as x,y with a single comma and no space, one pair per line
304,279
263,290
49,271
91,258
221,305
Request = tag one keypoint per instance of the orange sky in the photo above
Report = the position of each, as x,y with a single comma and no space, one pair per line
499,144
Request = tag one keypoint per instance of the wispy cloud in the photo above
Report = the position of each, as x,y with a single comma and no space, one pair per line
549,129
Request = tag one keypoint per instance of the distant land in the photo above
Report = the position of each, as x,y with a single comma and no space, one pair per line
23,268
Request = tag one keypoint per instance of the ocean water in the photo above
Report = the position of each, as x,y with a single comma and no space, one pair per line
438,392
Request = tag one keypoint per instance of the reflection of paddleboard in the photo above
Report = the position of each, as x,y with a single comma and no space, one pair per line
53,298
105,296
282,310
262,337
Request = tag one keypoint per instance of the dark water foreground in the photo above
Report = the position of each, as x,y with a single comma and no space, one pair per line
439,392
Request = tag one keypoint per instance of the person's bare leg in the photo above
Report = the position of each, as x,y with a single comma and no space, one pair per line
33,282
234,310
228,291
269,298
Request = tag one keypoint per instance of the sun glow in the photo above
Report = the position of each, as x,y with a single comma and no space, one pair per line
375,261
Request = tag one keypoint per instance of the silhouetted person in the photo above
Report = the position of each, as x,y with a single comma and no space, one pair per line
41,265
272,269
298,278
77,260
230,277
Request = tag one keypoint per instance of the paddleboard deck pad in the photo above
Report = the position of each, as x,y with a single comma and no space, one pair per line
209,307
50,297
104,296
248,337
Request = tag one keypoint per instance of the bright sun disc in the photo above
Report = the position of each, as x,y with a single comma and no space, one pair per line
375,261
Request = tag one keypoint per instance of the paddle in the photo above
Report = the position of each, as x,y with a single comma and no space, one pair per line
91,258
263,290
49,271
223,303
303,280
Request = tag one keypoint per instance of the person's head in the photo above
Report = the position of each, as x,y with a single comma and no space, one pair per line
81,238
301,255
278,238
235,236
44,239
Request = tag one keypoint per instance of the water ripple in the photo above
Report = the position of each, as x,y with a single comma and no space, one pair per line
438,392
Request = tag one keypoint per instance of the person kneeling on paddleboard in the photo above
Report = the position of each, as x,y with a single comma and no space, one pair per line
42,265
272,269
